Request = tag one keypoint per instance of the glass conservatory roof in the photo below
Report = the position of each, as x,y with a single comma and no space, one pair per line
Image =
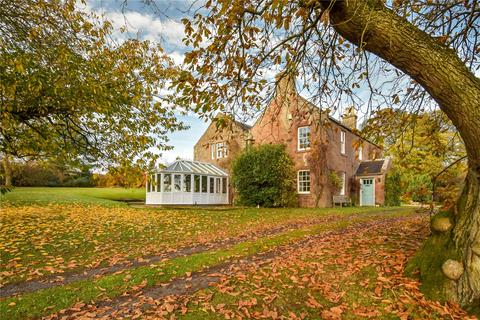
186,166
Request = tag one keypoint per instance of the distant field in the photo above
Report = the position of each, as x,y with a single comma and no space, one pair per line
102,196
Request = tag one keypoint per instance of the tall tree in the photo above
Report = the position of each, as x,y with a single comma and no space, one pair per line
427,49
68,89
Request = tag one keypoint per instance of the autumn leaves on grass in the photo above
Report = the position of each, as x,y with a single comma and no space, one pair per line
352,275
37,241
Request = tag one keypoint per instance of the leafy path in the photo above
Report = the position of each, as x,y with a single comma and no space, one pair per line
355,272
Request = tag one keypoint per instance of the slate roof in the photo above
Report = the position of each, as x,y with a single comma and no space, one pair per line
242,125
194,167
367,168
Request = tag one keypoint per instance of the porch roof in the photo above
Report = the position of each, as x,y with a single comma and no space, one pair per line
367,168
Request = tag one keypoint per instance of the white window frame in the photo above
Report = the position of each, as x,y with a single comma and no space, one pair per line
170,185
211,185
344,184
212,150
186,182
201,184
224,185
342,142
299,182
225,150
300,138
219,147
360,152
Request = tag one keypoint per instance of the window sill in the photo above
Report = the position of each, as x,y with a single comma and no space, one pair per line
303,192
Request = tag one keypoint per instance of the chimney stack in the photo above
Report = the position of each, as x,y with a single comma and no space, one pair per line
349,118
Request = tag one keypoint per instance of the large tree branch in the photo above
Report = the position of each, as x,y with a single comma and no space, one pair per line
372,26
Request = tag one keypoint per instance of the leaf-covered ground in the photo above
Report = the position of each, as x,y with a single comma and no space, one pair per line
323,264
351,273
85,258
40,240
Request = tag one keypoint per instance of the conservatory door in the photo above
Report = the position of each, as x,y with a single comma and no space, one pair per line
367,192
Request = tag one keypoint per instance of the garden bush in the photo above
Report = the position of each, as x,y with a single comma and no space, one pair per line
264,175
393,189
420,187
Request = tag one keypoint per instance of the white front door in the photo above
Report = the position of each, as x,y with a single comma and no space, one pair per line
367,191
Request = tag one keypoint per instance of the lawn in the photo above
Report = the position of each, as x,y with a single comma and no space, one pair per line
82,231
41,195
66,233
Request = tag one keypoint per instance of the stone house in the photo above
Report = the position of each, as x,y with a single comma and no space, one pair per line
334,163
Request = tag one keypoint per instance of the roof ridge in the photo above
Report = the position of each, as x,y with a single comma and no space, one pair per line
193,167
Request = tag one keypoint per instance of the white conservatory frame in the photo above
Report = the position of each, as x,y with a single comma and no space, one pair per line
191,189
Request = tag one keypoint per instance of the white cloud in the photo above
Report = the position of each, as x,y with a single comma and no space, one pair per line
177,57
147,26
139,24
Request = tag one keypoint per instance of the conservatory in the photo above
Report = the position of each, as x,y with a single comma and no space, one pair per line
188,183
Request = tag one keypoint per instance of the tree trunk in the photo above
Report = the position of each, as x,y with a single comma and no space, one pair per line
7,169
467,237
456,90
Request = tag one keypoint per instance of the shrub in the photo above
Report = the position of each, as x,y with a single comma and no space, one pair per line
126,176
264,175
420,187
80,182
335,180
36,174
393,190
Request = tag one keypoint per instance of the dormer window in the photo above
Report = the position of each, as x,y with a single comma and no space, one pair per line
303,138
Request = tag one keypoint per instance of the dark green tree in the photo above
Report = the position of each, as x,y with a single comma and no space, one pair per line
393,189
264,176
